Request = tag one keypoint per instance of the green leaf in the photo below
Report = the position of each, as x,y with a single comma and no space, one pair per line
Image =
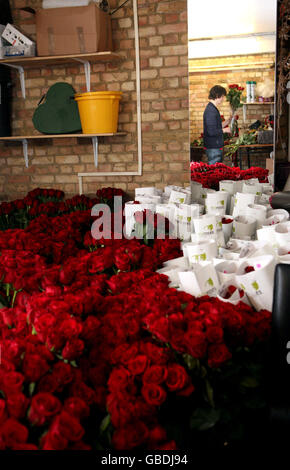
250,382
31,388
190,361
209,393
105,423
34,332
203,419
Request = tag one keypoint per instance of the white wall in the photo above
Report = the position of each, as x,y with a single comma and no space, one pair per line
220,18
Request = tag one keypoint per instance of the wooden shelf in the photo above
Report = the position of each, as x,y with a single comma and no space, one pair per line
259,102
58,136
58,60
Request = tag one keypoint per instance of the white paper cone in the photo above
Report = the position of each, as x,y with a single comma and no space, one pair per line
227,228
200,281
252,188
149,199
184,231
258,284
274,220
150,191
226,271
195,191
273,212
228,186
203,194
244,226
283,255
235,298
216,203
241,202
282,233
181,262
202,251
258,212
179,197
267,234
257,248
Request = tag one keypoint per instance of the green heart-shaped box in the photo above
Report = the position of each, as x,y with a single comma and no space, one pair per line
59,113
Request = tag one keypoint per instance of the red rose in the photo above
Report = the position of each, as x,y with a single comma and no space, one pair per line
67,426
73,349
153,394
249,269
13,432
157,434
70,328
76,407
17,404
34,367
24,446
137,365
171,445
62,374
155,374
3,413
177,377
12,382
53,441
218,354
130,436
119,379
43,407
214,334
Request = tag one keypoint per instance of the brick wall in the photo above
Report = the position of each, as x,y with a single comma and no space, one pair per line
164,94
200,83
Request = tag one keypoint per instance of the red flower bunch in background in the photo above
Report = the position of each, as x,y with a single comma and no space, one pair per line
210,175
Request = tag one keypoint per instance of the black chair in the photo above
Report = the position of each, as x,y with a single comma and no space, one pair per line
279,358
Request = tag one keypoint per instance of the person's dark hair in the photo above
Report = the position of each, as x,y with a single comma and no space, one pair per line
217,91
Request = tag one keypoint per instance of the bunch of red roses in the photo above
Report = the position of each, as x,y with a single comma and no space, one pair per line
210,175
94,333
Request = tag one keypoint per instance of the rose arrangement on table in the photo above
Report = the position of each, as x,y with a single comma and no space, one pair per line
98,352
210,175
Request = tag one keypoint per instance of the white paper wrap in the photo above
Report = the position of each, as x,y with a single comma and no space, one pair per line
244,226
235,297
282,233
180,197
258,284
208,227
226,270
283,254
201,251
150,191
258,212
227,228
273,212
241,202
201,280
195,188
216,203
252,188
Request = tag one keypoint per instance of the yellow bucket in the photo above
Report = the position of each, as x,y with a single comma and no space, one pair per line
99,111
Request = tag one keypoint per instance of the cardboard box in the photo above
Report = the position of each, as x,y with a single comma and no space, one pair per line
73,30
270,165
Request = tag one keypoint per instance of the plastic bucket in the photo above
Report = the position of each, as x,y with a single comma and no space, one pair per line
99,111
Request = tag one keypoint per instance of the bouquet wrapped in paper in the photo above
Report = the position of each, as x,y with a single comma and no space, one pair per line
256,277
201,280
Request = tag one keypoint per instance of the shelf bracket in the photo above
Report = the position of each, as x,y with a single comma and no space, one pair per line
25,151
95,147
21,77
87,67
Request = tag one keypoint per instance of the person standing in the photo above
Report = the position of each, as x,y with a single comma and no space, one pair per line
213,127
